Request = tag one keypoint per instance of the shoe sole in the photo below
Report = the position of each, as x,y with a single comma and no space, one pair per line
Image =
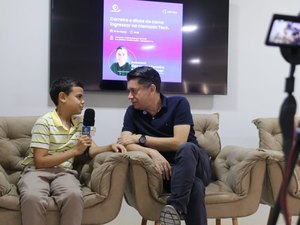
169,216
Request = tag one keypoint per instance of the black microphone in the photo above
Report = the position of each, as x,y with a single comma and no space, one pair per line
88,122
87,129
88,126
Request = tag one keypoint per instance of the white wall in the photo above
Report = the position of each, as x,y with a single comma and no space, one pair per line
256,76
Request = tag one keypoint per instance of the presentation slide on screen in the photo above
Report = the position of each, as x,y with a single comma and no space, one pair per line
138,33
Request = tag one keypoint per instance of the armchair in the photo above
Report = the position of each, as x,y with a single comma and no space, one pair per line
231,193
104,177
271,141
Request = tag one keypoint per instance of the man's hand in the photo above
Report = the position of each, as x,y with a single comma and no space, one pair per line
83,143
161,164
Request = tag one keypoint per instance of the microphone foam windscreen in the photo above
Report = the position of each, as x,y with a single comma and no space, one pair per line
89,118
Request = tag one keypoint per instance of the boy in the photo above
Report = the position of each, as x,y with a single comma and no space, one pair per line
56,140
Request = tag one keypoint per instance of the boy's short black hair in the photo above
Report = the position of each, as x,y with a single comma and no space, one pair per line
146,76
63,84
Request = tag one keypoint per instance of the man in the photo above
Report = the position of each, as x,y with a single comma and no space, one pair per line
162,127
121,67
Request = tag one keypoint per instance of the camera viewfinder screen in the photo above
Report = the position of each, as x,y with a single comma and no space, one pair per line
284,32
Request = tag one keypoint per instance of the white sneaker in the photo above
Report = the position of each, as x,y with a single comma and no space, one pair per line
169,216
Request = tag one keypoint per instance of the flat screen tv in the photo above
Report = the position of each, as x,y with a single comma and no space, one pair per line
99,41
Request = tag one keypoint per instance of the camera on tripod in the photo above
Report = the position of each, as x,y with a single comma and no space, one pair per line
284,32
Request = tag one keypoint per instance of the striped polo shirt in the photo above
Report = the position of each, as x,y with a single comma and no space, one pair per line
50,133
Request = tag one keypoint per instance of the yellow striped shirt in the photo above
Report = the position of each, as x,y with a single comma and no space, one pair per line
50,133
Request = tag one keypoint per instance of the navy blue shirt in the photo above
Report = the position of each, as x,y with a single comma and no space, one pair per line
175,110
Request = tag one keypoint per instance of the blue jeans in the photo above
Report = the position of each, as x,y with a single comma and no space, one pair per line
190,174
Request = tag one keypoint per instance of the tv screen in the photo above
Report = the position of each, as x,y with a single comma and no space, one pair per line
100,41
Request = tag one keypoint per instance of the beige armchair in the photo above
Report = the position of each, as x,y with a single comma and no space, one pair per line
231,193
271,141
104,178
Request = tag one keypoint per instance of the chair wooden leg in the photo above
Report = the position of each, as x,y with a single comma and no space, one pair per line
144,222
270,214
234,221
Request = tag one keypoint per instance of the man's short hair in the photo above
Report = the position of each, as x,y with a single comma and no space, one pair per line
63,84
146,76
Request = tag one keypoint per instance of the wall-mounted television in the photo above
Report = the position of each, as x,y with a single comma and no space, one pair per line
99,41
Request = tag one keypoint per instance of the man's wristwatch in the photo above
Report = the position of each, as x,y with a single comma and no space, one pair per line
142,140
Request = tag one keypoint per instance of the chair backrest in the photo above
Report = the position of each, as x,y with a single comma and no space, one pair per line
206,130
271,138
269,131
15,137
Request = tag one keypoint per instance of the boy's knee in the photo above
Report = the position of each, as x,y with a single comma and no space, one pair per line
33,198
73,195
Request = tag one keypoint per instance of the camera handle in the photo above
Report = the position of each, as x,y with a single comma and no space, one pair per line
291,54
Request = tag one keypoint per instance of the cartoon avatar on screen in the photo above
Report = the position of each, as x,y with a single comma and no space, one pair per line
121,67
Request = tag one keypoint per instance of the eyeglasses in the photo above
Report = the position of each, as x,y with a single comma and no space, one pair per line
135,91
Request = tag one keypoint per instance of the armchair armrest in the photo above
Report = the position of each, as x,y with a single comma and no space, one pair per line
276,155
5,185
233,165
273,154
154,179
102,167
276,159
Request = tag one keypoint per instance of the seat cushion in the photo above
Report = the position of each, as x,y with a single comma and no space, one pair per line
219,192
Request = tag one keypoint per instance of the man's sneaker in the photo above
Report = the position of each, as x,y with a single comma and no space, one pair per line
169,216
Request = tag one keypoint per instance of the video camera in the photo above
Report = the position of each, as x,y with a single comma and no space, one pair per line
284,32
